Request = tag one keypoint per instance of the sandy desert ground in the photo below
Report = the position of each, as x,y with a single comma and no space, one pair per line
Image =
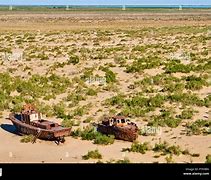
157,71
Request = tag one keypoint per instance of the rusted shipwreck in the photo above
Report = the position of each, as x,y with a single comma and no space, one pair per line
119,126
30,122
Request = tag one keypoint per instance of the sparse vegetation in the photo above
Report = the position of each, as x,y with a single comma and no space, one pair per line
92,155
89,133
138,147
27,138
152,75
198,127
208,158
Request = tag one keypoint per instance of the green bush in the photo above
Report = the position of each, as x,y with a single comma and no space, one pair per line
80,111
187,99
167,149
67,123
88,119
140,64
172,122
174,67
59,110
104,139
198,127
186,114
208,158
169,159
92,155
138,147
91,92
165,119
194,83
123,161
27,138
89,133
73,59
110,76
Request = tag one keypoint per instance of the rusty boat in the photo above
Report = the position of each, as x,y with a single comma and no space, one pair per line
30,122
119,126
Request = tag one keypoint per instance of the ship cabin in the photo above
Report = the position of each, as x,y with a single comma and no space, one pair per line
32,117
28,116
117,121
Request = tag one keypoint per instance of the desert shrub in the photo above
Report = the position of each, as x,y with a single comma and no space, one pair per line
27,138
137,100
120,60
136,105
207,101
80,111
110,76
43,56
195,83
165,148
165,119
73,59
123,161
46,109
186,99
173,87
75,98
92,155
174,67
59,110
88,119
88,73
186,114
198,127
139,48
49,96
104,139
38,86
138,147
160,147
67,123
208,158
169,159
17,108
115,100
140,64
91,92
89,133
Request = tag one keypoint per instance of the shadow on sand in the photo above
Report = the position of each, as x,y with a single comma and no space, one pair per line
9,128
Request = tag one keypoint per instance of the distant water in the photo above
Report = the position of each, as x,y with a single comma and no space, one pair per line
120,6
141,6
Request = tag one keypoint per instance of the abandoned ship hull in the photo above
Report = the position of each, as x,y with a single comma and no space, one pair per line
27,129
122,133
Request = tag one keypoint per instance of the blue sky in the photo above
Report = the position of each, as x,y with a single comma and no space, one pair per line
105,2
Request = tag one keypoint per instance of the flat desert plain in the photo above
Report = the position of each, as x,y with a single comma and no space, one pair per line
79,66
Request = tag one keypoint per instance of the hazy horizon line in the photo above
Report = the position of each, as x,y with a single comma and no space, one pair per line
106,4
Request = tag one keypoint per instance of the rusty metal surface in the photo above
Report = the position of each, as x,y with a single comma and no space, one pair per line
45,129
128,132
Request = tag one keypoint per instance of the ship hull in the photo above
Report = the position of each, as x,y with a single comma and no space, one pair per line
129,133
27,129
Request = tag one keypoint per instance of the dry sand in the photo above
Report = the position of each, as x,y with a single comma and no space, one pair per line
11,150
